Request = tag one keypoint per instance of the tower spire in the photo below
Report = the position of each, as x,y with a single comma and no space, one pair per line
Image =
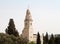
28,15
28,29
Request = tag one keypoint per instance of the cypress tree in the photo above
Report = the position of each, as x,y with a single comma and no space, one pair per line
38,38
11,30
52,39
46,38
44,42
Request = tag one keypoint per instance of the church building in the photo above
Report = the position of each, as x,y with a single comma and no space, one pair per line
28,28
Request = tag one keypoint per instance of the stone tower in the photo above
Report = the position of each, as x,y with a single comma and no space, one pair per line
28,30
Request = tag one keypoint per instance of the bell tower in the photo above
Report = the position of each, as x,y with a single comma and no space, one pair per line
28,29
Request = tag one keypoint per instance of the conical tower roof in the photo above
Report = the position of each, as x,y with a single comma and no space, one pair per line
28,15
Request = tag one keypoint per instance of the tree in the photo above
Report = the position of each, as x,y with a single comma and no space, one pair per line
46,37
38,38
44,42
11,30
57,39
5,39
52,39
32,42
11,39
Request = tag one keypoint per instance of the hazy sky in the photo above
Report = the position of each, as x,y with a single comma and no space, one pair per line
45,14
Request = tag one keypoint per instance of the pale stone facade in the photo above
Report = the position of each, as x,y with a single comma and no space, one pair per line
28,29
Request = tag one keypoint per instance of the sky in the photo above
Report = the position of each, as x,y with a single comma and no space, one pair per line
45,15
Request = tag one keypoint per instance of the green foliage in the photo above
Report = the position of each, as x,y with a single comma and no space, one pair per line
52,40
5,39
44,42
38,38
32,42
57,40
45,39
11,30
11,39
